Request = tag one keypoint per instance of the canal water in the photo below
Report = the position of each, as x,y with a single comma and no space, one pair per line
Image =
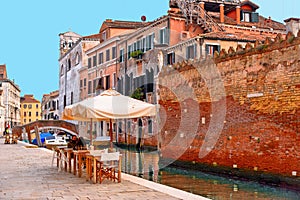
146,165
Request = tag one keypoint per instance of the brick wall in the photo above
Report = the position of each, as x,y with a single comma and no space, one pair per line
259,88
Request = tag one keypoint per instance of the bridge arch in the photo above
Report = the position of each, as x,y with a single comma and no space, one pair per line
45,124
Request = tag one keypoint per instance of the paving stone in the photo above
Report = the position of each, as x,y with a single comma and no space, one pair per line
26,173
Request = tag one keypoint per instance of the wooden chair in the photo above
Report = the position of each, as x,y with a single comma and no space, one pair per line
14,139
107,166
90,163
7,139
63,160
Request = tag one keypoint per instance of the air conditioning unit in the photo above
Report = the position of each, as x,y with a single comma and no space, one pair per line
184,35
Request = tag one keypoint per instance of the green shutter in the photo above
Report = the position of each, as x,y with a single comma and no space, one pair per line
254,17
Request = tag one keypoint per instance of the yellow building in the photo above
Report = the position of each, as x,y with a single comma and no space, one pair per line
30,109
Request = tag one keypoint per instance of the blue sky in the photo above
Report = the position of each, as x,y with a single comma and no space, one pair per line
29,39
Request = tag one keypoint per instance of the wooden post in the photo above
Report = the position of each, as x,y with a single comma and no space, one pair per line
110,133
91,133
37,135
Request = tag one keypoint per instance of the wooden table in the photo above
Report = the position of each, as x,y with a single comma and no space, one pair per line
78,156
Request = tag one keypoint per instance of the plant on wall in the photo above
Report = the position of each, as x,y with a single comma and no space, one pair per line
138,94
136,54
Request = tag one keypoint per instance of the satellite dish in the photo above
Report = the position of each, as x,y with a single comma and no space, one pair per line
143,18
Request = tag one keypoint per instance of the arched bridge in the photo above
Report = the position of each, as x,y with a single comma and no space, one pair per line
45,124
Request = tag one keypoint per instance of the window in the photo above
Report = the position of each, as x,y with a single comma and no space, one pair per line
107,82
24,114
77,59
171,58
95,61
163,36
84,82
89,87
71,97
150,126
25,106
249,16
36,105
104,35
29,114
89,62
65,101
114,52
191,51
143,44
150,42
138,45
211,48
24,120
121,55
94,85
115,80
37,114
62,70
100,58
29,120
29,106
120,127
69,64
107,55
81,83
129,51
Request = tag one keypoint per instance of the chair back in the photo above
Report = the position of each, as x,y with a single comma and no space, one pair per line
110,156
98,152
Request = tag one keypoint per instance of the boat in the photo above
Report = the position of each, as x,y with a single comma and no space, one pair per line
55,140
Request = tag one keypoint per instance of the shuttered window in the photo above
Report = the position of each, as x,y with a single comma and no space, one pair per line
191,51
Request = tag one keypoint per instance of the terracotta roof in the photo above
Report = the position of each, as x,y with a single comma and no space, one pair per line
28,98
234,36
93,36
248,2
124,24
292,18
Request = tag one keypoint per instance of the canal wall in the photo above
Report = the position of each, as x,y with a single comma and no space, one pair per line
239,109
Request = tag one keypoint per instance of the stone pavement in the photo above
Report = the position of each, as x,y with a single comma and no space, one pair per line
26,173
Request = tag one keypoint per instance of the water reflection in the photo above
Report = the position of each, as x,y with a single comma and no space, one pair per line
146,165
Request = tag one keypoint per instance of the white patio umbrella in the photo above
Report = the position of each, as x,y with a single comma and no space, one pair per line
109,105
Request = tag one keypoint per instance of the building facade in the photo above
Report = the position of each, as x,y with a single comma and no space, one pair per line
72,59
131,55
9,101
50,106
30,109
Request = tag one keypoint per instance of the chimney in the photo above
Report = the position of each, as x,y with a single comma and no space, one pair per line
222,13
238,14
202,10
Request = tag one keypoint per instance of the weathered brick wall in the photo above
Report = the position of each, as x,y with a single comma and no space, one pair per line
261,88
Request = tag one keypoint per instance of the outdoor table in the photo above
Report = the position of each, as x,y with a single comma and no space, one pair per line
78,155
